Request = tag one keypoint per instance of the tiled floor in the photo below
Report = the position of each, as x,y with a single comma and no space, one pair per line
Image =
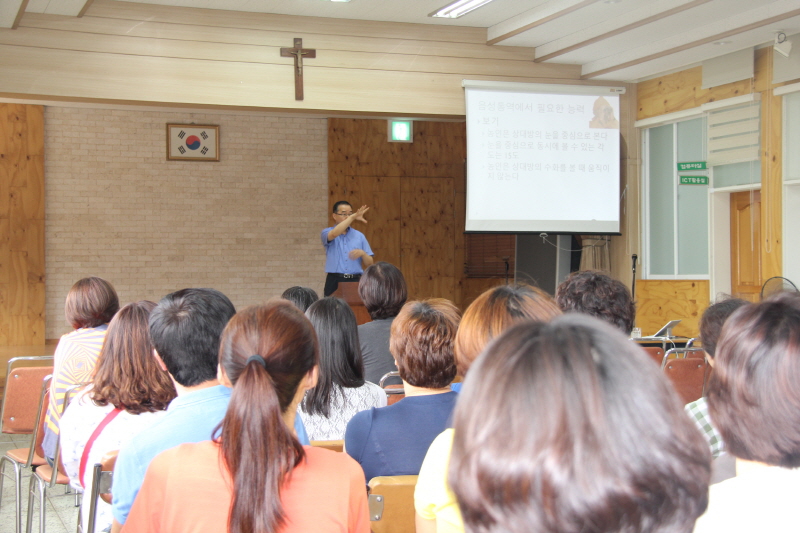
61,515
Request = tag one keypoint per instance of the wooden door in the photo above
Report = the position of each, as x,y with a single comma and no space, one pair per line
746,276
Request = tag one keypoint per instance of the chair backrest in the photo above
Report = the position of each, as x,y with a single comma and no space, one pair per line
391,504
102,478
38,429
107,463
687,376
335,445
687,351
22,394
394,393
656,353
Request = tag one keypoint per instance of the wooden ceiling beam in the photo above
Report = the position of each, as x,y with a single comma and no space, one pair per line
539,22
693,44
623,29
85,8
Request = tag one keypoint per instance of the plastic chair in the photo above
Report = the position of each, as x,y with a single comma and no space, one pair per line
689,373
45,476
21,458
391,504
394,393
102,478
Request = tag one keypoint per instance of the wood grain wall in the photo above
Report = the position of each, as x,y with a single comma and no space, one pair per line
22,284
659,301
203,57
417,197
682,90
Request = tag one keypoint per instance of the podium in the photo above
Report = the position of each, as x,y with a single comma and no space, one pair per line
348,291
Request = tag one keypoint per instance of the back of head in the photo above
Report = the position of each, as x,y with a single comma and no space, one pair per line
185,329
422,340
301,297
493,312
340,361
127,375
566,427
753,396
713,319
383,289
265,352
594,293
91,302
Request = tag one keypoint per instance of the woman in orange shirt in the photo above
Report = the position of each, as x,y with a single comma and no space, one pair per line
256,477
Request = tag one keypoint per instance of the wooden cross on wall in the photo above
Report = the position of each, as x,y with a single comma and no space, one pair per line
298,52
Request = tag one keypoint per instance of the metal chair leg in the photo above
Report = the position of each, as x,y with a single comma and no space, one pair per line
42,487
17,489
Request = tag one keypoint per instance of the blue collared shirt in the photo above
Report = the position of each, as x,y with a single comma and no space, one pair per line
337,260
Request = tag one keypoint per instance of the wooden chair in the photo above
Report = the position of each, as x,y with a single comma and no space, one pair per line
102,479
394,393
21,458
335,445
45,477
391,504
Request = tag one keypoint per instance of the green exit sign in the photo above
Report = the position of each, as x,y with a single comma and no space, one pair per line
694,180
692,165
401,131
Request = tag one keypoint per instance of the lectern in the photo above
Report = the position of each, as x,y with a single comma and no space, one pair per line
348,291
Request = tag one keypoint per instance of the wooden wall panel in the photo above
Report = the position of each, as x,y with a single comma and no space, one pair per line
22,295
659,301
419,188
682,90
217,58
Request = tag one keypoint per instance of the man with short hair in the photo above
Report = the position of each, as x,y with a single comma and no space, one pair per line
347,250
185,329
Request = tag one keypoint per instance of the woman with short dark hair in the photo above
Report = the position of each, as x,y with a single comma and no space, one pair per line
754,400
393,440
89,307
341,391
128,393
587,435
383,290
255,476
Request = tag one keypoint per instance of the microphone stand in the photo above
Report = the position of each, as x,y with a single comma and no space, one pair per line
634,257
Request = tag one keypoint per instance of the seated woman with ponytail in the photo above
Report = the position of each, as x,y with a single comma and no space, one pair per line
256,477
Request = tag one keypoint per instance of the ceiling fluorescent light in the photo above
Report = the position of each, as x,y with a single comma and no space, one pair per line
458,9
340,0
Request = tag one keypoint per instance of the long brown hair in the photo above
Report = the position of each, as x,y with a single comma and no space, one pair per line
127,375
586,435
258,447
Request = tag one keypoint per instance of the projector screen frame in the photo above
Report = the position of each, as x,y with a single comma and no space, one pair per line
605,222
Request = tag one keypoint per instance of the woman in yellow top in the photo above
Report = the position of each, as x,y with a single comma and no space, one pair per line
588,436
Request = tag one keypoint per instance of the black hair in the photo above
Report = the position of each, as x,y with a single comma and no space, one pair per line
185,329
340,202
340,361
301,297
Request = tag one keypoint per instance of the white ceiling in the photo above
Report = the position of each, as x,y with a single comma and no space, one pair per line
624,40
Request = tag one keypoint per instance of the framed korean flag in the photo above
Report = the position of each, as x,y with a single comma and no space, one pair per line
192,142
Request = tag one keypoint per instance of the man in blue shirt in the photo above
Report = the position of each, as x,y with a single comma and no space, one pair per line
348,252
185,329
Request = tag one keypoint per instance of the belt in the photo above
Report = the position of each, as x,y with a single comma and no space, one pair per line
347,276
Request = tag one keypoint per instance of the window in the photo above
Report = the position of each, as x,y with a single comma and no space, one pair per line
675,215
